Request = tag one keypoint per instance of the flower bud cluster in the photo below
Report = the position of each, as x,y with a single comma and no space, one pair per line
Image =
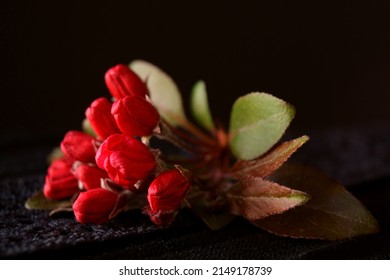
97,171
114,165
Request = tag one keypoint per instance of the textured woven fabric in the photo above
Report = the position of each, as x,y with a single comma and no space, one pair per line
357,156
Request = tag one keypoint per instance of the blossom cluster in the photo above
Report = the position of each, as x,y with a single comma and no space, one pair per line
104,171
138,150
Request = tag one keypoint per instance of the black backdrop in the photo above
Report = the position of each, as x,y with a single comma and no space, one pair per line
331,60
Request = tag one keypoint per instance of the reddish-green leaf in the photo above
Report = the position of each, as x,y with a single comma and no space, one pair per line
265,165
39,202
331,213
255,198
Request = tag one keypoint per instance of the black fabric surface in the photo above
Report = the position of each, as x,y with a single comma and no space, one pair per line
357,156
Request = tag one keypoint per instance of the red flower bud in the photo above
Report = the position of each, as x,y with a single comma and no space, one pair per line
89,176
121,82
135,116
125,159
78,146
94,206
100,118
60,183
167,191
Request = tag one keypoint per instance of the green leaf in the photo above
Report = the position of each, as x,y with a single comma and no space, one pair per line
331,213
164,94
39,202
214,219
268,163
255,198
200,107
257,122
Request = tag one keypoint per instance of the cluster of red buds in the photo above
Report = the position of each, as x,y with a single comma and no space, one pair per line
107,171
139,150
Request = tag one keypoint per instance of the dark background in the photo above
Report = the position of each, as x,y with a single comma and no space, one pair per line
331,60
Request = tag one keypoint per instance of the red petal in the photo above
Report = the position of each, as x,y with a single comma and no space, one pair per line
101,119
90,176
135,116
94,206
121,82
79,146
167,191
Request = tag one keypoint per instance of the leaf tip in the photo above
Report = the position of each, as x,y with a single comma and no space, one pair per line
301,198
372,224
303,139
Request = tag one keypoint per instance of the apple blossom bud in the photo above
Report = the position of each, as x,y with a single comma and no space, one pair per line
135,116
79,146
60,183
165,195
125,159
89,176
101,119
121,82
94,206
